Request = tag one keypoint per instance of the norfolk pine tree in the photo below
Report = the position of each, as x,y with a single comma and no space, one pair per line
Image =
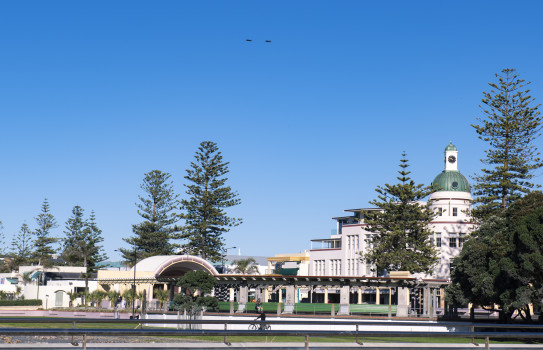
402,240
154,235
90,249
510,124
73,235
3,265
204,212
2,240
42,236
82,243
22,246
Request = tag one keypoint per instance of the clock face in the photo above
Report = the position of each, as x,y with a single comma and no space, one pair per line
452,159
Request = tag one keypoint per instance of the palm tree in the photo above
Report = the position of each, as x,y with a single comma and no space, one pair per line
129,296
113,295
97,296
73,296
162,295
245,266
18,291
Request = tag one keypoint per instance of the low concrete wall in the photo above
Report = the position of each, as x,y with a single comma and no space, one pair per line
27,312
408,327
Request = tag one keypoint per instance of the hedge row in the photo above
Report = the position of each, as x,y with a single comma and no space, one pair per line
21,302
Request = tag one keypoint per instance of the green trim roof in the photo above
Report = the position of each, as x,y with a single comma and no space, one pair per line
450,180
450,147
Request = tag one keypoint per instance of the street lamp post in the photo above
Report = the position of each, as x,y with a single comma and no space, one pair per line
134,285
225,252
133,281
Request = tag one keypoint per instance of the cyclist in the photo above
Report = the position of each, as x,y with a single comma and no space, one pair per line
262,318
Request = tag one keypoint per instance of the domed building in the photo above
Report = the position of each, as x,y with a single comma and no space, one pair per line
451,199
339,255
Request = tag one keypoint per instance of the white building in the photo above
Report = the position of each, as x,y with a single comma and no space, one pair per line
339,255
51,285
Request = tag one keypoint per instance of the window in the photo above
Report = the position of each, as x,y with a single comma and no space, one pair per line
438,240
356,242
452,241
455,211
461,241
319,267
338,268
440,211
355,267
58,298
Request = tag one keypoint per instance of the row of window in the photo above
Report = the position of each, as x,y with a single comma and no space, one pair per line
319,267
335,267
454,240
352,267
353,242
440,211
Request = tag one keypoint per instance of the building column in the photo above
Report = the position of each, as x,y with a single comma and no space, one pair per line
402,308
289,302
266,295
150,293
269,268
260,294
359,301
326,295
280,295
344,307
243,298
232,293
377,296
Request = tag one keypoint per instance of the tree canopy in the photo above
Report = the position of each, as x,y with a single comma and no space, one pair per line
204,211
194,287
82,241
502,262
154,235
402,239
43,240
22,247
510,124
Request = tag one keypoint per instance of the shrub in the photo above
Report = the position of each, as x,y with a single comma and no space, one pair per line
21,302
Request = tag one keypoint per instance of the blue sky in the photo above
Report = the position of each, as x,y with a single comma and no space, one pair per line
94,94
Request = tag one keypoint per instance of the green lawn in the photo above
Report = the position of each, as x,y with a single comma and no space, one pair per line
224,306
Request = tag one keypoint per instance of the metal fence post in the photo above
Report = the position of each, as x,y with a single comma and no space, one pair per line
73,341
225,340
178,317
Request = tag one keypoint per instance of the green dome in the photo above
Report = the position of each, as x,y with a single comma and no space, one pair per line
450,180
450,147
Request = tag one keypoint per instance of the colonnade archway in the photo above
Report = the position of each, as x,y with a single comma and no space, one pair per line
161,272
153,273
410,295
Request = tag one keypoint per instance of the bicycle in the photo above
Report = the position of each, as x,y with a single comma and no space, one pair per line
256,327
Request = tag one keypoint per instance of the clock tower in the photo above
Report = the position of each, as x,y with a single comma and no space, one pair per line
451,157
